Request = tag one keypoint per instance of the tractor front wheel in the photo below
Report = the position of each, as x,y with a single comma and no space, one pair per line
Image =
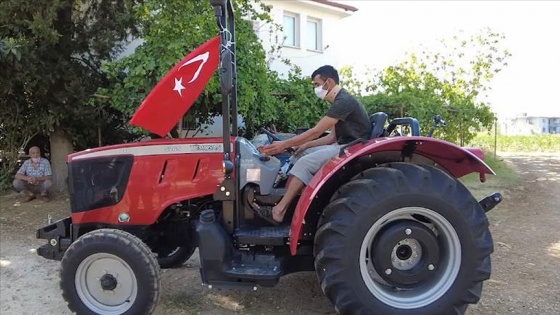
110,271
403,239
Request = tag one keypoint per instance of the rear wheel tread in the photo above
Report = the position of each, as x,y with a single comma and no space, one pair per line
386,182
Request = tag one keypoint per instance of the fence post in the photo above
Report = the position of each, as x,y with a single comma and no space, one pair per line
495,136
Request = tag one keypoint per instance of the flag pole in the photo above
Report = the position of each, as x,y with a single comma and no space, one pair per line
226,192
233,99
223,11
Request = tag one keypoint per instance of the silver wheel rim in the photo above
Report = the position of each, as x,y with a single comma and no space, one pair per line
423,295
90,291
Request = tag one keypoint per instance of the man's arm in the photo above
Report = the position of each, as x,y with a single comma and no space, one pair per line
43,178
33,180
22,177
323,125
328,139
21,173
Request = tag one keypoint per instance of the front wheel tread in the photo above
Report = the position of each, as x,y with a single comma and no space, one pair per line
126,247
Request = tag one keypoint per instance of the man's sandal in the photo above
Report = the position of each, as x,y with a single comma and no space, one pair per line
265,213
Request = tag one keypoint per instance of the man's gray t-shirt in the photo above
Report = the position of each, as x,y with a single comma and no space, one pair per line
353,121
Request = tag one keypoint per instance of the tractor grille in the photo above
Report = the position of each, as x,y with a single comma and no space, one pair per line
97,183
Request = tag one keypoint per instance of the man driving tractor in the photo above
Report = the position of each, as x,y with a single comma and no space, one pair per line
346,118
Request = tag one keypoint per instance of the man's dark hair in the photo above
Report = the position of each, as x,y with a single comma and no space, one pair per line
326,72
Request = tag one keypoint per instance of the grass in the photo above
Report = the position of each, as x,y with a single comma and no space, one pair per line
193,301
505,177
518,143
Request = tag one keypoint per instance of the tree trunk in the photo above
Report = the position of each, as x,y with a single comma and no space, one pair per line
61,146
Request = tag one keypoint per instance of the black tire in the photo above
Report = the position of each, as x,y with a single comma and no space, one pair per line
175,258
110,271
403,239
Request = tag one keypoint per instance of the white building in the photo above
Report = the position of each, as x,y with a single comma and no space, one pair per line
528,125
308,33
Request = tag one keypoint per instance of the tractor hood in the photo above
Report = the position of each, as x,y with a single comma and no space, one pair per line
153,147
146,176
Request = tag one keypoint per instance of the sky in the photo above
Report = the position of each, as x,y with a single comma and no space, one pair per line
530,83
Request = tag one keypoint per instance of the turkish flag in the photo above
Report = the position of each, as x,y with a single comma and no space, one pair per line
174,95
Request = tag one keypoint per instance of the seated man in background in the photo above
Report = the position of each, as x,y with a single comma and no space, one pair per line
34,176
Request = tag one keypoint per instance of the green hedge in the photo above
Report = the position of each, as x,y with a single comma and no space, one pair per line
518,143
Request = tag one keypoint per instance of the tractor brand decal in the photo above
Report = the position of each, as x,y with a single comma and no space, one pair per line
207,147
157,150
173,148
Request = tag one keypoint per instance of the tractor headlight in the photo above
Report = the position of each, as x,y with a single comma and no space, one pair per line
227,167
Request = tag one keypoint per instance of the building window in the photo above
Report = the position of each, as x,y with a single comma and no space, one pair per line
291,27
313,35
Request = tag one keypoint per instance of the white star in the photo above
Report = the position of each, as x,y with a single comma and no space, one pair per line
179,86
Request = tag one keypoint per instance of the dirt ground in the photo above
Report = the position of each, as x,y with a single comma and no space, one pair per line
525,278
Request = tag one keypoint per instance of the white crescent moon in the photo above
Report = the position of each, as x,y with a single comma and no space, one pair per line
202,57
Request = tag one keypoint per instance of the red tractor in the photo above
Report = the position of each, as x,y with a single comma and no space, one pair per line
386,224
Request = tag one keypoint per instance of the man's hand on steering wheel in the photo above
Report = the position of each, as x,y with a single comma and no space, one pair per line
277,145
274,148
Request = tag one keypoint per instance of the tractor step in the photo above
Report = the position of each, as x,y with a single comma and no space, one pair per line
242,271
263,268
269,235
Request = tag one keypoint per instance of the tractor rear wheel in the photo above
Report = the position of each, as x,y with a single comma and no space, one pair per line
109,271
403,239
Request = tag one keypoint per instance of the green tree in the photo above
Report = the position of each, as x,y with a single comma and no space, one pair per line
350,81
297,104
170,29
50,60
452,81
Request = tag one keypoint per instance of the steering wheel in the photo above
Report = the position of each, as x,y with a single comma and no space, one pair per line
273,137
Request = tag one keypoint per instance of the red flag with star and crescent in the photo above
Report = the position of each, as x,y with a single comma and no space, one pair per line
174,95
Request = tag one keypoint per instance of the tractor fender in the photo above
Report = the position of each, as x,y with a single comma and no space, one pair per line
457,161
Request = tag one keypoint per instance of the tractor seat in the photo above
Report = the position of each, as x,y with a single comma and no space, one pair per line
377,121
